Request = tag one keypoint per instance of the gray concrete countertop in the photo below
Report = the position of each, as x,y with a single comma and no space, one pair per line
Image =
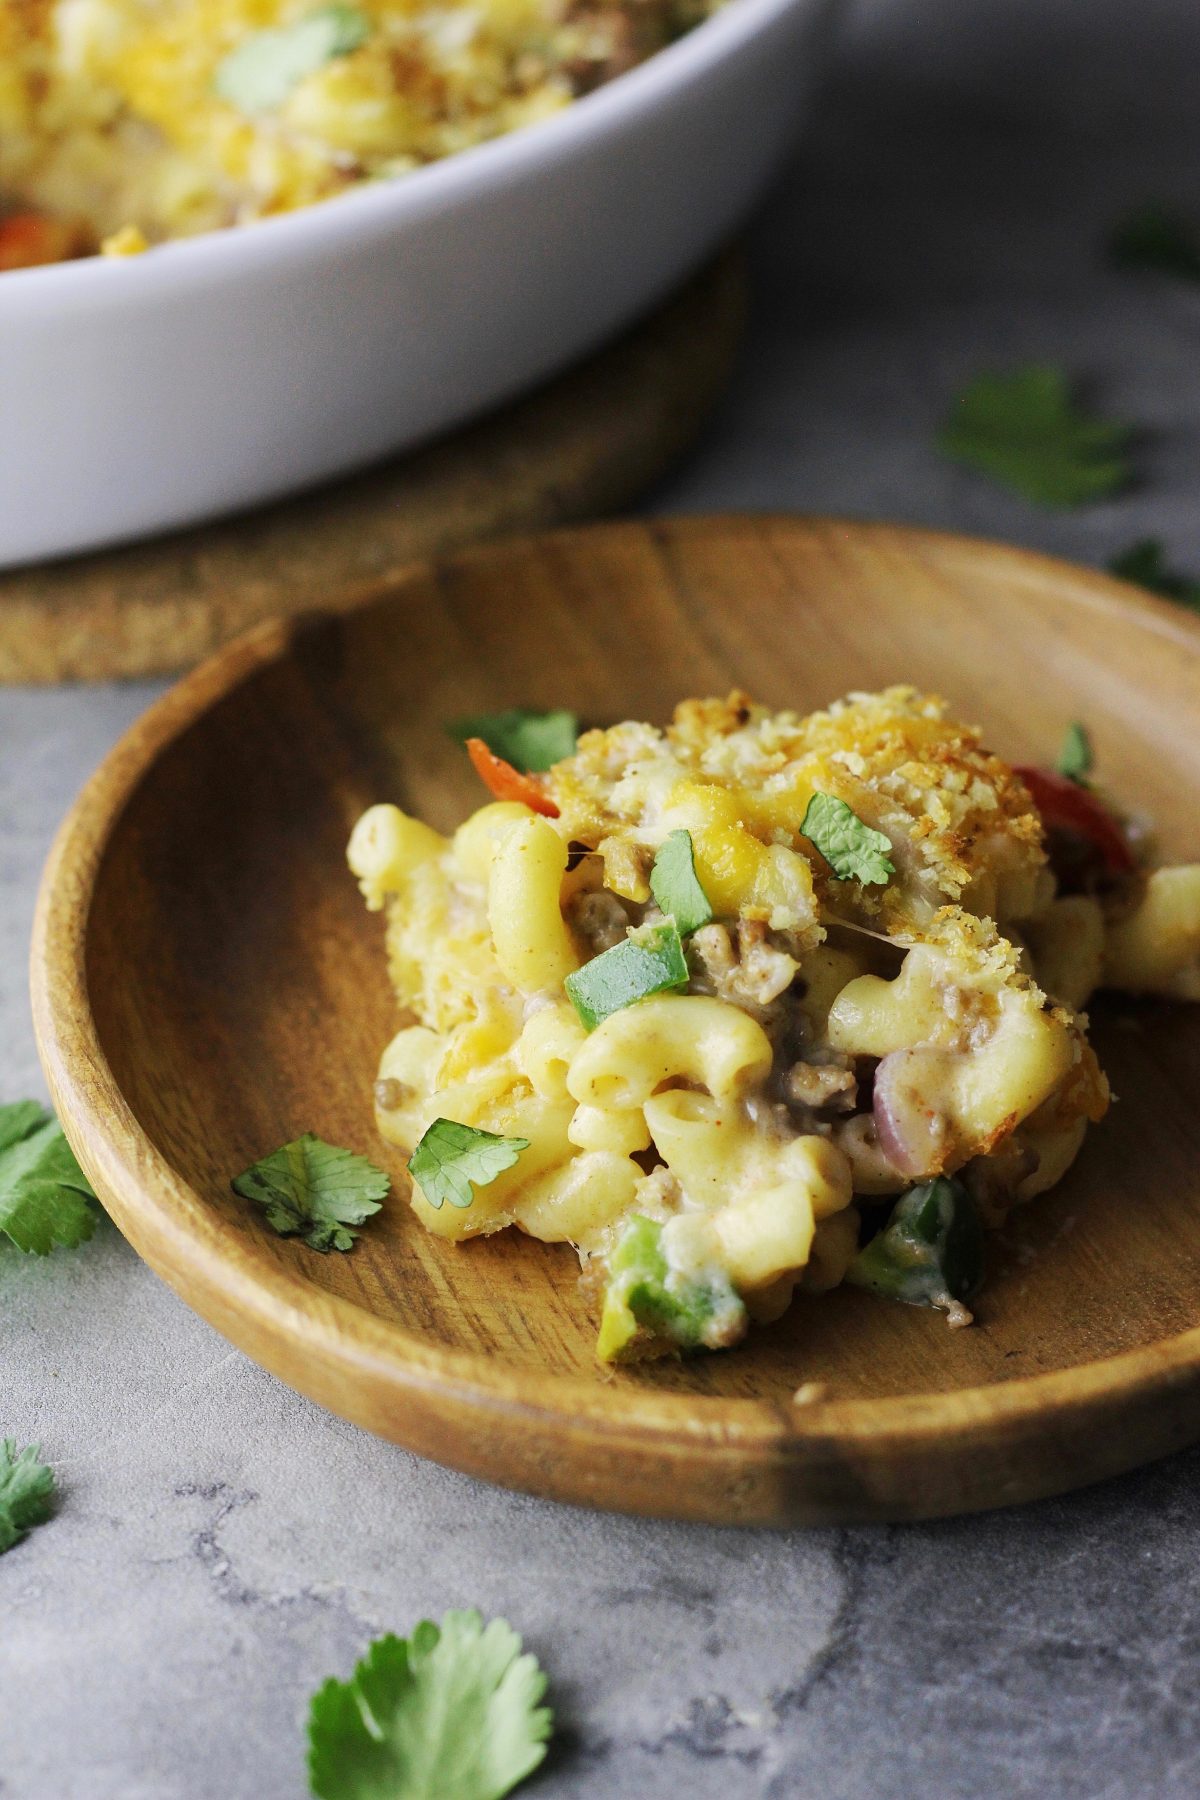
221,1545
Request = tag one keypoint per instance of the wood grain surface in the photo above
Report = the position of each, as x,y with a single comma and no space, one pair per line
207,984
586,443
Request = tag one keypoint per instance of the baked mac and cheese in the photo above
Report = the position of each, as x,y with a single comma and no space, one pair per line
758,1002
124,123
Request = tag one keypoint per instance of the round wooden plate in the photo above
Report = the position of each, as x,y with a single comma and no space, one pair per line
207,985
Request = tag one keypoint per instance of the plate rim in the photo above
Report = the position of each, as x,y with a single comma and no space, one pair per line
171,1227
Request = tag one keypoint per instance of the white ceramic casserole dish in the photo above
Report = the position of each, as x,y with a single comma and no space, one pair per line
144,393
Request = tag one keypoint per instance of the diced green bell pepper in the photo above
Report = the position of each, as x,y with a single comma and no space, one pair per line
648,1307
649,961
930,1252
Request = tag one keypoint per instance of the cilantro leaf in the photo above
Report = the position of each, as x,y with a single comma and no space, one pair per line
1145,563
649,961
261,72
533,741
1158,239
851,848
1075,759
26,1488
314,1190
452,1160
674,884
44,1194
1026,431
451,1711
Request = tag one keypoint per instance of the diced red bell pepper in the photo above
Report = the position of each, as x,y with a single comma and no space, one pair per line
507,783
1065,806
29,239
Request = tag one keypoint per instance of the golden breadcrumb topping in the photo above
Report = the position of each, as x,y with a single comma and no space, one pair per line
962,825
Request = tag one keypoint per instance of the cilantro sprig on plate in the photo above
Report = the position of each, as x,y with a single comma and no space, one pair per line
45,1197
453,1711
853,849
26,1492
1027,430
314,1190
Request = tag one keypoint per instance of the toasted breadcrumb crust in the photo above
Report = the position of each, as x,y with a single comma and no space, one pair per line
962,824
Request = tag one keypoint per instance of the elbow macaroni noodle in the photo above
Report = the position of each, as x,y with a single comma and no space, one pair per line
1155,948
529,934
664,1039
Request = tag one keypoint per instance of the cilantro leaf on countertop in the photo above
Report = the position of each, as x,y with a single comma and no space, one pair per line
261,72
26,1490
45,1197
676,886
1026,430
649,961
314,1190
529,740
851,848
452,1160
452,1711
1156,238
1076,757
1145,564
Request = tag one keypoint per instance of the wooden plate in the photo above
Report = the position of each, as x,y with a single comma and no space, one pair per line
207,984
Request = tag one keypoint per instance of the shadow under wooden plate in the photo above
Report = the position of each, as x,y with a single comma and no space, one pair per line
207,985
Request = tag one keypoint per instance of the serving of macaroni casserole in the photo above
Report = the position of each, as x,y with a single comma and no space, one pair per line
759,1003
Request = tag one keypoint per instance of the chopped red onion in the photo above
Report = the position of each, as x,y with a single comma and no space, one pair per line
911,1131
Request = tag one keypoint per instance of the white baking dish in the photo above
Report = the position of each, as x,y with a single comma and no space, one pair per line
139,394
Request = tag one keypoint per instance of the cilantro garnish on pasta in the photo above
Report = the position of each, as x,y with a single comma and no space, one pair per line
675,886
452,1160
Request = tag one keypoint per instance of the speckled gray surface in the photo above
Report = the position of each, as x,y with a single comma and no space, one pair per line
222,1545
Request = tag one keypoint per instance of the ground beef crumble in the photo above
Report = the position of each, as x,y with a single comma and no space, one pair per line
599,918
742,966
